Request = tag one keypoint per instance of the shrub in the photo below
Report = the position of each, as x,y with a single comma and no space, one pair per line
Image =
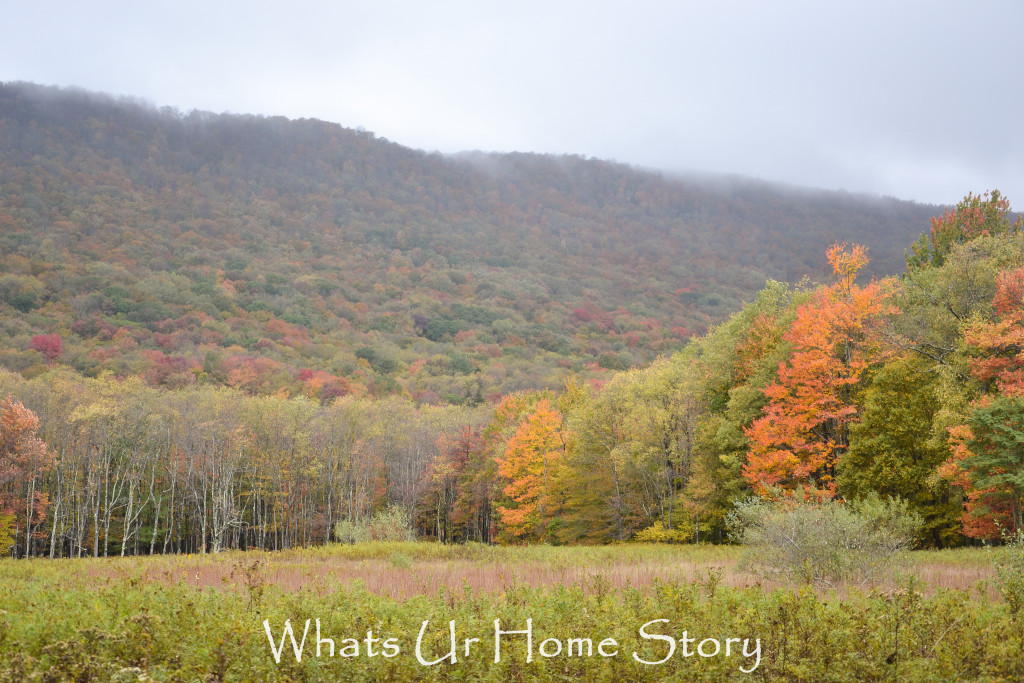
657,533
6,533
825,543
387,525
351,532
1009,563
400,560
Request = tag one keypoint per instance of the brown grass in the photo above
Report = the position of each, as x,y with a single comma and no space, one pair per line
404,570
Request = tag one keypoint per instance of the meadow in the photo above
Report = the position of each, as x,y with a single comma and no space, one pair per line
588,610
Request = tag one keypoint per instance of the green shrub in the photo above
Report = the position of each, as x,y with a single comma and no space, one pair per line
825,543
1009,564
391,524
400,560
349,531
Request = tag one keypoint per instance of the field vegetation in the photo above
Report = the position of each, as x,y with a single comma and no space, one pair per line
188,617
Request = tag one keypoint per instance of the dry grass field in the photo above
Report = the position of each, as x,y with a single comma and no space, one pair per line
187,618
401,570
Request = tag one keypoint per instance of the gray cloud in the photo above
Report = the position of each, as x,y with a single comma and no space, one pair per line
918,100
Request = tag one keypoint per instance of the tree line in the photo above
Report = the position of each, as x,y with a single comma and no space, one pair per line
909,388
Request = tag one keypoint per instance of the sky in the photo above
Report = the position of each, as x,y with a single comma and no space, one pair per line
920,100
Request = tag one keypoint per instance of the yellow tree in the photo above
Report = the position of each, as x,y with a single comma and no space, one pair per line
528,466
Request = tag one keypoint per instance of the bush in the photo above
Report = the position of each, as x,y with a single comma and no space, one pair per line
351,532
825,543
6,533
657,533
1010,571
386,525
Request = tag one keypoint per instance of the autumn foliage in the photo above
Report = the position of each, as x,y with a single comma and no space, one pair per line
998,346
23,459
987,459
49,345
528,466
835,338
241,332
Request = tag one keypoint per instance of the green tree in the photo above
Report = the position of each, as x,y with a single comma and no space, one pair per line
995,465
737,360
888,455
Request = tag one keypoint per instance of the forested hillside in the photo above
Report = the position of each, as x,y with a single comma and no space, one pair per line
225,331
302,257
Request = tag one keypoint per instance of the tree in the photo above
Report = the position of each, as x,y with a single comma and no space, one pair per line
6,533
804,429
889,456
974,216
988,449
443,477
997,347
996,462
49,345
527,466
23,459
630,452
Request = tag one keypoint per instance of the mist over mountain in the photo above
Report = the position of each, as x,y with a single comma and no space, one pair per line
301,256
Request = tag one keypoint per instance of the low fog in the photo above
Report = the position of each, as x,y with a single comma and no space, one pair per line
917,100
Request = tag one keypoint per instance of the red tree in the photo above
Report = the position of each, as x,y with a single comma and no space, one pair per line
49,345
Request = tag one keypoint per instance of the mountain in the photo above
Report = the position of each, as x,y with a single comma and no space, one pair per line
300,256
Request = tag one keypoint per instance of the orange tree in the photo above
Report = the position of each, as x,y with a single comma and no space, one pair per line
23,459
527,466
804,429
988,449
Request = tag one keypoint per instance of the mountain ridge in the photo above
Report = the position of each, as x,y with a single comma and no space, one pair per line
302,249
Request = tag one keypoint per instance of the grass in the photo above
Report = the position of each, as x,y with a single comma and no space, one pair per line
201,617
401,570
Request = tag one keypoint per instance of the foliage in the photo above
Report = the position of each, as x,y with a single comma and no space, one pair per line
6,533
24,458
261,253
825,543
387,525
975,216
528,465
49,345
891,455
993,460
986,461
804,429
657,533
997,347
241,332
151,618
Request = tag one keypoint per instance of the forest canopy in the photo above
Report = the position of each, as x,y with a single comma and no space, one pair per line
272,255
233,332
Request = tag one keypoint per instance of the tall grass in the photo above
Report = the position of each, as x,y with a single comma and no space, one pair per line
201,617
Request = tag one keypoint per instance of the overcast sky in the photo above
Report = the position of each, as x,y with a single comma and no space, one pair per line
918,100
